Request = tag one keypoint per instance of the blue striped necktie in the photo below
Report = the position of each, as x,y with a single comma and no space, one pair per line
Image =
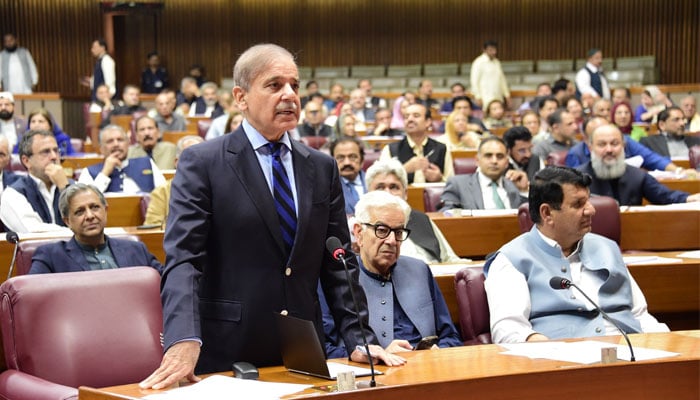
284,198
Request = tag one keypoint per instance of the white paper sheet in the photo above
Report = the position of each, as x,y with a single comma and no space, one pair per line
641,260
584,352
690,254
451,269
218,387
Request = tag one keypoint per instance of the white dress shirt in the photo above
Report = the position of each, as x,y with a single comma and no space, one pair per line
18,214
583,82
487,192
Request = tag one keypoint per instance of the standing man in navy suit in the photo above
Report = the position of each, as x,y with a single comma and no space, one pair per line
84,211
231,259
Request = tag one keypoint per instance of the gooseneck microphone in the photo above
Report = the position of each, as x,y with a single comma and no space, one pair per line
336,249
13,238
558,283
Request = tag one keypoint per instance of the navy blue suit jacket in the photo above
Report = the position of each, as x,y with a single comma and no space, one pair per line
634,186
227,271
8,177
67,256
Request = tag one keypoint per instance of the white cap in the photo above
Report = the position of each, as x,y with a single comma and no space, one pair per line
8,96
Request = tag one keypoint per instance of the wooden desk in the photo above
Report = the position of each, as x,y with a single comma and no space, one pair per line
483,372
124,210
641,230
672,291
378,142
687,185
82,161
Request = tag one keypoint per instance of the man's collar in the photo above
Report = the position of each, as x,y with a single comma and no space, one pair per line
257,140
553,243
412,143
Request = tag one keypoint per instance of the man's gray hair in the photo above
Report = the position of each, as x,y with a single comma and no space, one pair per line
379,199
25,145
184,141
112,127
254,60
391,166
209,85
68,193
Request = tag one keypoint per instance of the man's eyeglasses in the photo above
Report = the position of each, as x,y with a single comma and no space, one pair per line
313,112
351,157
382,231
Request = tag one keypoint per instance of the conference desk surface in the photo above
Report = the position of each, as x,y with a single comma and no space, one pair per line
482,372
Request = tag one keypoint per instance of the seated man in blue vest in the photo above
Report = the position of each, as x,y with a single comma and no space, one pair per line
522,304
30,204
117,173
84,209
404,300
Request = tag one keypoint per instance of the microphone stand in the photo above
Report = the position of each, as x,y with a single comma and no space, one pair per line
372,382
605,315
12,238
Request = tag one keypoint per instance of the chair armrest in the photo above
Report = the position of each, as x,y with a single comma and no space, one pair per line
17,385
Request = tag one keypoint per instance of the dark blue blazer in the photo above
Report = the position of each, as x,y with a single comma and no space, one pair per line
67,256
227,270
8,178
579,154
634,186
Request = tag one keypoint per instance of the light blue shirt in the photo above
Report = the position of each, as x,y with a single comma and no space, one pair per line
259,144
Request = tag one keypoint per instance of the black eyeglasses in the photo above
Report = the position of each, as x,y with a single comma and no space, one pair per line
382,231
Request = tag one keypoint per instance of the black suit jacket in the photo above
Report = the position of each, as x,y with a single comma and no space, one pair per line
226,269
659,143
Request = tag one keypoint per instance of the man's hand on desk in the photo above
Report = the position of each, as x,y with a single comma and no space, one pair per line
178,363
537,337
397,346
392,360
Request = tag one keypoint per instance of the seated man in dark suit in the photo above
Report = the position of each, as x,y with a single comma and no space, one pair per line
424,159
518,141
313,124
614,178
404,300
492,186
84,211
671,141
118,173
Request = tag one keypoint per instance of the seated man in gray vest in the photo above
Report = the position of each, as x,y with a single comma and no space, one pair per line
404,300
117,173
523,305
30,204
84,210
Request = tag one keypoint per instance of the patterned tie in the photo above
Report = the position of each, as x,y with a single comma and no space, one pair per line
284,198
496,198
352,191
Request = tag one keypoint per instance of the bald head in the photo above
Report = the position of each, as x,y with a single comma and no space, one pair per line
5,156
593,124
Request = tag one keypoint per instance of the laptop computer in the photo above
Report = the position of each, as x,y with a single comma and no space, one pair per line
302,351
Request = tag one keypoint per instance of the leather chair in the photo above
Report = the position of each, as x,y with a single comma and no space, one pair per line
606,221
370,157
203,126
315,142
77,144
95,328
557,158
431,198
465,165
474,317
143,205
694,156
26,249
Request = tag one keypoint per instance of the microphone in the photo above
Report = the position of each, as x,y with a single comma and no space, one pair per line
558,283
337,251
13,238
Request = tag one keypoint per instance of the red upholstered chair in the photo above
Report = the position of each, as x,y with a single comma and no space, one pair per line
431,198
77,144
203,126
557,158
315,142
26,250
473,306
465,165
370,157
62,331
694,156
606,221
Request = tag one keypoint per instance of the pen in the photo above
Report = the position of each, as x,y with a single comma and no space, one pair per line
430,153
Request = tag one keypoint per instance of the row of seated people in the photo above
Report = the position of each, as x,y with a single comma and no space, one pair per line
416,309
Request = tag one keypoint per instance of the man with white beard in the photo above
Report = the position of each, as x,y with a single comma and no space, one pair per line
612,177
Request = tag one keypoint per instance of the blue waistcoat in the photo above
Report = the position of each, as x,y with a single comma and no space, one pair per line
98,77
410,281
29,189
139,169
555,313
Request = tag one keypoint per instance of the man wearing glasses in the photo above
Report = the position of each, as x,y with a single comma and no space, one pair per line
31,203
405,303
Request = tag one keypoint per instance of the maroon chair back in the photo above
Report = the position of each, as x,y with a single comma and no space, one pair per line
143,205
473,306
315,142
93,328
606,221
77,144
431,198
694,156
203,126
26,249
465,165
557,158
370,157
